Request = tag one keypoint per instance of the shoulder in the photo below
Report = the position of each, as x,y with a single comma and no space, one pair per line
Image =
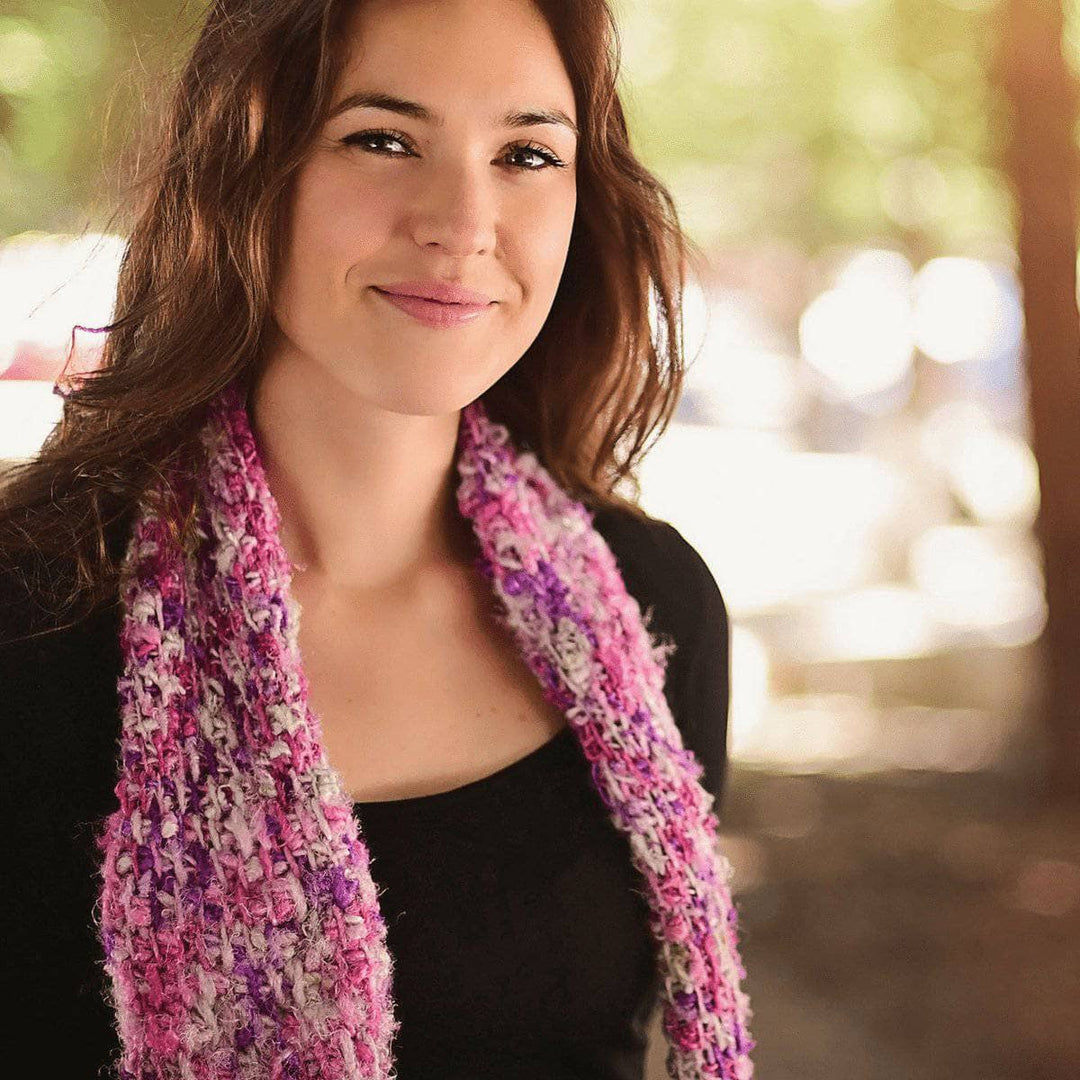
23,615
26,577
662,568
48,661
680,600
58,680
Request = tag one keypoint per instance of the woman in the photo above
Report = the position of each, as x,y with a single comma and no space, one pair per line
463,836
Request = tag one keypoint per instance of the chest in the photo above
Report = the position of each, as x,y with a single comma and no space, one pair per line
418,693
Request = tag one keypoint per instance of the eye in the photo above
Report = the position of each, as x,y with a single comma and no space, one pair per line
376,135
358,138
539,151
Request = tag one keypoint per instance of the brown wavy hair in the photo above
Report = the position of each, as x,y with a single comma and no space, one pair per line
193,298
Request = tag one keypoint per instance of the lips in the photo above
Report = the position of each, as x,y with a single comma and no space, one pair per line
446,292
436,313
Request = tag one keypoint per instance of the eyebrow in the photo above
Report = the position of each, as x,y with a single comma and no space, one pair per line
377,100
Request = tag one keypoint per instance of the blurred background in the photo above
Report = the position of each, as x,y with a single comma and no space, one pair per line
877,453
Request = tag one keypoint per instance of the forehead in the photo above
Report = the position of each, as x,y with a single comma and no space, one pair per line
455,53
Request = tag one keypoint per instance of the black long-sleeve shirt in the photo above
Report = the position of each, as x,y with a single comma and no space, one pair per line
532,957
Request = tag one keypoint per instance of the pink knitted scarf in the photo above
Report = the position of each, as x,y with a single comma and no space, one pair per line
239,921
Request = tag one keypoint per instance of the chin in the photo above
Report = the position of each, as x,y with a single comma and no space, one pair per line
425,400
419,386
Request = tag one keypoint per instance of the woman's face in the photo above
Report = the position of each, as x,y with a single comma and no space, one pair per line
456,196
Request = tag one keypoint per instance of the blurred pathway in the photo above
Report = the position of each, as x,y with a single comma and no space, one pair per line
907,926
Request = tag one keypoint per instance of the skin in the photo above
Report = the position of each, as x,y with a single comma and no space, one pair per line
357,405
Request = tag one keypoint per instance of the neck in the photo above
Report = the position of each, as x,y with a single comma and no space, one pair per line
366,495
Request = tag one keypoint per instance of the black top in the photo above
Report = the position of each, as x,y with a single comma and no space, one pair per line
532,956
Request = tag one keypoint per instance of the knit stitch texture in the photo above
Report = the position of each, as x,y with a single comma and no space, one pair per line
239,921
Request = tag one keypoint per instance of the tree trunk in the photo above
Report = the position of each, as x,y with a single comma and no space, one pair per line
1041,162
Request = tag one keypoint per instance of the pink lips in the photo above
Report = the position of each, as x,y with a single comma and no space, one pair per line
435,312
436,302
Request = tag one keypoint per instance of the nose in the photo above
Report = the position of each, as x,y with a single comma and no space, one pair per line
457,210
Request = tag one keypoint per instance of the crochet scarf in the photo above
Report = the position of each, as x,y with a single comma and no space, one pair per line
238,918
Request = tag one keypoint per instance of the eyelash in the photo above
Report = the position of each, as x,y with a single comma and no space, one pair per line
552,161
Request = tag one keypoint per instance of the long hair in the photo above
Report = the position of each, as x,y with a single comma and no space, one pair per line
195,286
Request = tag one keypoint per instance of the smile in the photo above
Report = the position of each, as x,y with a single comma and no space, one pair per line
433,312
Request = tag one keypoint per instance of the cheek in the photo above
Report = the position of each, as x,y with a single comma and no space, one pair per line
541,237
335,221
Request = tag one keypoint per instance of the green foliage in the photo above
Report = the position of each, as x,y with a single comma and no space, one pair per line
820,123
74,79
816,122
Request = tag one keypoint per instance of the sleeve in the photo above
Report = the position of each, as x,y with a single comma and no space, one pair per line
57,705
680,599
699,671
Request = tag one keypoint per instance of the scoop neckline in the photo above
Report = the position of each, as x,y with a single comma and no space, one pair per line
473,786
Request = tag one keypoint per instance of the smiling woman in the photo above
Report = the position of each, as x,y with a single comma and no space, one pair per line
452,196
388,771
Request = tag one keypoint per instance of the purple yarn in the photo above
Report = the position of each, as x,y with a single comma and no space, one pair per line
240,923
